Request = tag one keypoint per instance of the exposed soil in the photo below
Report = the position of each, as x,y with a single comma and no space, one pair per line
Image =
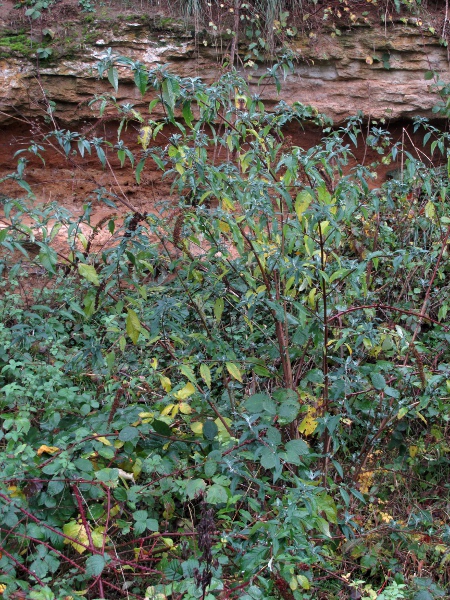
72,181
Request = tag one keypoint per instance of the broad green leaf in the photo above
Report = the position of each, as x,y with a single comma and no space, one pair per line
128,433
95,565
268,458
216,494
48,258
194,487
89,273
210,430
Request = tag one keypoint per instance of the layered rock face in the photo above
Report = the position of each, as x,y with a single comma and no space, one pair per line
374,69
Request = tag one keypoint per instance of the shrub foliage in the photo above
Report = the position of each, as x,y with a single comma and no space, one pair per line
244,395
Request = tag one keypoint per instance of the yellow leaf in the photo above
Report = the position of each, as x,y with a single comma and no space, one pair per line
165,383
137,468
311,298
223,433
47,450
154,363
77,531
421,417
133,325
197,427
145,135
205,373
184,408
413,450
302,203
369,60
309,423
146,415
224,227
402,412
430,211
234,371
185,392
227,204
2,588
98,535
15,492
104,441
167,410
240,101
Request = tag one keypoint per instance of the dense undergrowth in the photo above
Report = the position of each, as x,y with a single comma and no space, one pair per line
246,395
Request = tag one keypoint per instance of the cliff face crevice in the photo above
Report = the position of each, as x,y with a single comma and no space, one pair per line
374,69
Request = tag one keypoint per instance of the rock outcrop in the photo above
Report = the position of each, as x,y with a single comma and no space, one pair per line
374,69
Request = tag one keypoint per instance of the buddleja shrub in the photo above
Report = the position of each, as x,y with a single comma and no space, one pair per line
204,409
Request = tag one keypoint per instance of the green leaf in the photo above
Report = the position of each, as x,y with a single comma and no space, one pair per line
268,458
210,430
256,404
218,308
139,170
48,258
194,487
128,433
133,325
89,273
113,77
95,565
189,373
428,75
187,113
378,381
210,468
217,494
161,427
108,476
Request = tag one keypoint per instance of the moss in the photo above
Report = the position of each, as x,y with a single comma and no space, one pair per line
17,44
